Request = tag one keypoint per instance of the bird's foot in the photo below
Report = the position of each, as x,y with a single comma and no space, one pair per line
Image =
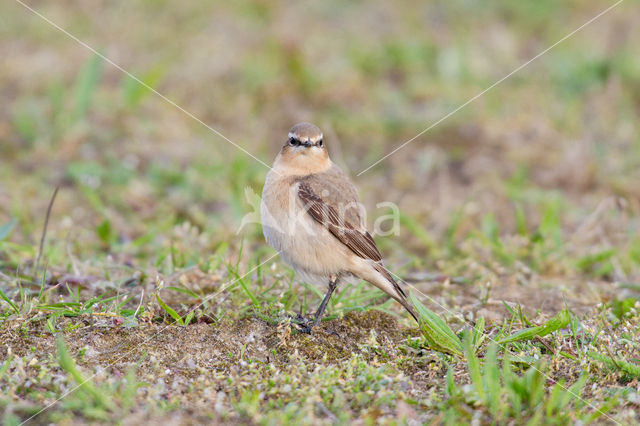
303,324
305,329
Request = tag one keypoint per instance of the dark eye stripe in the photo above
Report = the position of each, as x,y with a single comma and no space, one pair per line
296,142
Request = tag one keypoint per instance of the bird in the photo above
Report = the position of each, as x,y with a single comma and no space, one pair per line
312,216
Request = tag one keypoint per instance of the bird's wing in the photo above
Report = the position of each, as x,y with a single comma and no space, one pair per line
331,200
326,197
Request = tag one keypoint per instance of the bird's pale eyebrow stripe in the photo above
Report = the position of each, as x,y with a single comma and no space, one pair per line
312,139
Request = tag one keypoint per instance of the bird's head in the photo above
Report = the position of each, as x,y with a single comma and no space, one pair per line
304,151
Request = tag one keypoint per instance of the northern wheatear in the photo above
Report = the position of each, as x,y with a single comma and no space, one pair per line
311,215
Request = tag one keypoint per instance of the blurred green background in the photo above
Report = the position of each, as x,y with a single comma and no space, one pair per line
530,194
371,75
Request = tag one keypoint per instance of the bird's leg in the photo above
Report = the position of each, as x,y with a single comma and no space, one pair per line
333,283
305,323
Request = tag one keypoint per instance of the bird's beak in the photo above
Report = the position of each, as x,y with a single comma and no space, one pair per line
307,144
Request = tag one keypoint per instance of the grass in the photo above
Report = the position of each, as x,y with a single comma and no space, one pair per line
519,215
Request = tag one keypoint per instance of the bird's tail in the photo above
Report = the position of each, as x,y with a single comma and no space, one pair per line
393,289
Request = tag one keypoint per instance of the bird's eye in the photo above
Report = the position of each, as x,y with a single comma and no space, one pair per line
293,142
320,142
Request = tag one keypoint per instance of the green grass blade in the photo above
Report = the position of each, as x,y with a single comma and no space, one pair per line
249,293
561,320
51,324
554,401
42,284
556,323
85,87
574,392
473,365
478,334
451,384
134,92
436,332
521,220
169,310
10,302
5,366
86,385
184,290
189,317
5,230
616,364
492,381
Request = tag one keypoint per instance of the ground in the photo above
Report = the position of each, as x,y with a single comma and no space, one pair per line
147,294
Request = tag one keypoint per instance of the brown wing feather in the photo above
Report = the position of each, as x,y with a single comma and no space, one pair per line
359,241
335,189
349,228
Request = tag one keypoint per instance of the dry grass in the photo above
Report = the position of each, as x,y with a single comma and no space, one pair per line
527,198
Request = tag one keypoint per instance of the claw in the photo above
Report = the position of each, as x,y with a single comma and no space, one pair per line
305,329
303,324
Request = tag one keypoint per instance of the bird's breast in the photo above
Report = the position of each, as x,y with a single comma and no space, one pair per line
304,244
